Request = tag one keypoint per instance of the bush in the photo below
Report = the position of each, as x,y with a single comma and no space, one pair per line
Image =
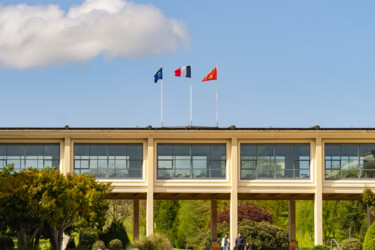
154,242
115,231
320,247
351,244
6,242
263,235
97,244
115,244
87,238
369,243
246,211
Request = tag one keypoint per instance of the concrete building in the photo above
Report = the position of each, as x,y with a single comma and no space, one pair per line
207,163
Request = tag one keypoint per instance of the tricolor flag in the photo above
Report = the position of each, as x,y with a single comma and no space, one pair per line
211,76
183,72
158,75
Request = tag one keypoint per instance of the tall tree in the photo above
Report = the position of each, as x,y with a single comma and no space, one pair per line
166,218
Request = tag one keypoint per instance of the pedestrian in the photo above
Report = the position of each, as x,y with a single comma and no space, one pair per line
225,242
247,246
240,243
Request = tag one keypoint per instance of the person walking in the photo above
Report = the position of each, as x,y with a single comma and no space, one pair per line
225,242
240,243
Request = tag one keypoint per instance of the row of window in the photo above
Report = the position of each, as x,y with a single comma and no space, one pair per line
198,161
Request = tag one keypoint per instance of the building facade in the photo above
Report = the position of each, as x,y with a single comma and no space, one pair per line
206,163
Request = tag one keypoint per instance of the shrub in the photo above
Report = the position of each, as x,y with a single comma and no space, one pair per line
369,243
115,244
263,235
97,244
115,231
87,238
154,242
351,244
6,242
320,247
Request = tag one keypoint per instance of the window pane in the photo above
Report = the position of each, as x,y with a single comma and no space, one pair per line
332,150
135,151
349,150
15,150
265,150
218,152
165,150
116,150
34,150
202,150
98,150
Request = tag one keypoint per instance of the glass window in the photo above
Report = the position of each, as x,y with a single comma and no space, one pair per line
35,155
343,161
109,160
196,161
275,161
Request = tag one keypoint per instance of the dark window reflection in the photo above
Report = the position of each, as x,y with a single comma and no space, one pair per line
35,155
349,161
109,160
275,161
196,161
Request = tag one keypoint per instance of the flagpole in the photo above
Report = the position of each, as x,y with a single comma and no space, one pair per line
191,98
161,99
217,105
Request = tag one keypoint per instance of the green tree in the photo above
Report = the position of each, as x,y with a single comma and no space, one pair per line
73,201
305,217
165,218
20,209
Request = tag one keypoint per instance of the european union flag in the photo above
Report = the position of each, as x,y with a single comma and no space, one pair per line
158,75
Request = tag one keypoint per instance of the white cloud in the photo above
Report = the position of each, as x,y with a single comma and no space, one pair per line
34,36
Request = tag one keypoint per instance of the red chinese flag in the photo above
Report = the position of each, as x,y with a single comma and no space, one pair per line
211,76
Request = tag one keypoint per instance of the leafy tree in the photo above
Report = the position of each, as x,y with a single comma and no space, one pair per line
246,211
74,200
305,217
33,199
165,217
19,205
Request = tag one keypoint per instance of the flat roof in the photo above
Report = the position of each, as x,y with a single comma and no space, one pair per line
178,128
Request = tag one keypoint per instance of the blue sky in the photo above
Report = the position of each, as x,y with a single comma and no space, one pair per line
280,64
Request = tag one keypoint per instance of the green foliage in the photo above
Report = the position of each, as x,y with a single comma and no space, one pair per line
351,244
193,224
154,242
165,218
87,238
263,235
6,242
320,247
369,243
115,231
305,217
115,244
71,244
98,244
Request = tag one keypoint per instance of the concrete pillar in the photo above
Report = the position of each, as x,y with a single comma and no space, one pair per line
233,193
65,168
213,220
150,188
318,199
292,220
135,220
370,217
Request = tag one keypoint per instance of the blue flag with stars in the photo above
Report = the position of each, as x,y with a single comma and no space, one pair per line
158,75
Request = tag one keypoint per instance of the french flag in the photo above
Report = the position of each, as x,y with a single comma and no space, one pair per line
183,72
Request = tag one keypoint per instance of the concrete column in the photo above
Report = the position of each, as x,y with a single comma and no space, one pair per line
135,220
213,220
318,201
150,188
233,194
65,168
292,220
370,218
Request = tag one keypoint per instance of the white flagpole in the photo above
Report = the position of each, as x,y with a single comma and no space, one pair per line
217,103
161,99
191,98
